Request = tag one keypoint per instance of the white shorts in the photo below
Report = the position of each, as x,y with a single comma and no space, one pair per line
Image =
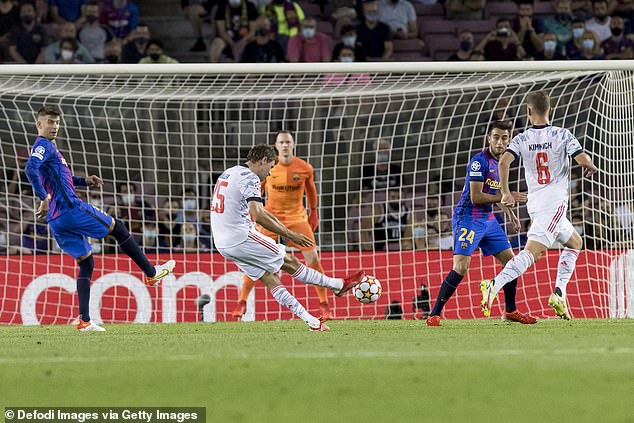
257,255
548,226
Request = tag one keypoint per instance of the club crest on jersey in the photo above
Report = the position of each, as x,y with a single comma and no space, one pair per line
296,177
475,166
39,152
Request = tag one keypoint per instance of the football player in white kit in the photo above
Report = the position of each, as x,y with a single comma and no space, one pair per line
545,152
237,198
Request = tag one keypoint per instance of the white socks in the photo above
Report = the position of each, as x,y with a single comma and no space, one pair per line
310,276
514,269
283,297
567,262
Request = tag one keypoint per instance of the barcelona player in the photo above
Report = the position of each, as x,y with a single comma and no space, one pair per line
474,224
72,220
285,188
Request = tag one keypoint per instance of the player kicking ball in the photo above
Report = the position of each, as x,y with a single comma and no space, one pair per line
544,149
285,188
71,220
474,224
237,198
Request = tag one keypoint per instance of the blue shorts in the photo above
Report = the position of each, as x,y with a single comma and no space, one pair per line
471,233
71,228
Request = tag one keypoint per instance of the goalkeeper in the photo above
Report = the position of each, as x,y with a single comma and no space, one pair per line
285,188
474,224
72,220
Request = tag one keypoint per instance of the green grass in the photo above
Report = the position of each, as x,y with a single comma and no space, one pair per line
371,371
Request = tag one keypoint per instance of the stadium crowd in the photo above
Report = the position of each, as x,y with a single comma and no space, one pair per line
263,31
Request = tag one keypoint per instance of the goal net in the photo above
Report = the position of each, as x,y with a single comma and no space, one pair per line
389,145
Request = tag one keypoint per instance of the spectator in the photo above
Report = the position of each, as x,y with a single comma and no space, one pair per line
590,47
400,16
477,56
62,11
131,207
528,28
9,17
190,207
153,242
465,9
28,39
382,174
53,52
286,17
375,36
346,55
155,54
390,225
68,54
617,46
573,47
18,182
465,50
112,52
309,46
235,24
263,49
204,230
561,23
600,23
549,49
122,16
169,225
92,34
349,39
196,11
501,44
35,238
134,50
189,238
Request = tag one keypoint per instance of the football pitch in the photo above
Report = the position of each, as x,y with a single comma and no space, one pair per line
360,371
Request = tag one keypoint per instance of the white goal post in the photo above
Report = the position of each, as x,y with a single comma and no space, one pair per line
166,131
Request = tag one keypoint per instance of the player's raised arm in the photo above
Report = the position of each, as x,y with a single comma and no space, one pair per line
504,169
584,160
268,221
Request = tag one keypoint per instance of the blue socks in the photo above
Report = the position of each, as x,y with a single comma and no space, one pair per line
447,289
132,249
86,267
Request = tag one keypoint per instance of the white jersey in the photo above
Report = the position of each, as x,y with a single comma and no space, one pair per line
230,218
545,151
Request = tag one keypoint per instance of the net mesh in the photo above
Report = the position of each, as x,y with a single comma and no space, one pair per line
165,138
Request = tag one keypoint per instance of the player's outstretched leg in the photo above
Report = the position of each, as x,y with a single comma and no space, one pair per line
511,313
86,267
339,286
154,274
284,298
241,306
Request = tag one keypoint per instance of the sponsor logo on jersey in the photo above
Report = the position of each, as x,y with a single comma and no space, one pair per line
539,147
475,166
475,173
286,188
492,183
296,177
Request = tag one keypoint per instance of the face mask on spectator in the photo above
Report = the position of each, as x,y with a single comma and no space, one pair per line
346,59
308,32
588,44
91,18
420,232
372,17
189,204
550,45
155,56
617,31
465,45
127,199
149,234
67,54
349,40
235,3
189,237
3,239
577,32
382,157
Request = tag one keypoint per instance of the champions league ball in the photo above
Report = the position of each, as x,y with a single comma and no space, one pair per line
368,290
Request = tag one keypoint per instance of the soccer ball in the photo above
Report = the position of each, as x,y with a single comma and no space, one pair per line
368,290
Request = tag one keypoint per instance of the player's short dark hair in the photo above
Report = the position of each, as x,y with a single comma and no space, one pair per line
285,131
48,111
539,101
503,125
262,151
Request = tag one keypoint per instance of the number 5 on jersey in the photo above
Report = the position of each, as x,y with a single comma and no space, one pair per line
218,200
